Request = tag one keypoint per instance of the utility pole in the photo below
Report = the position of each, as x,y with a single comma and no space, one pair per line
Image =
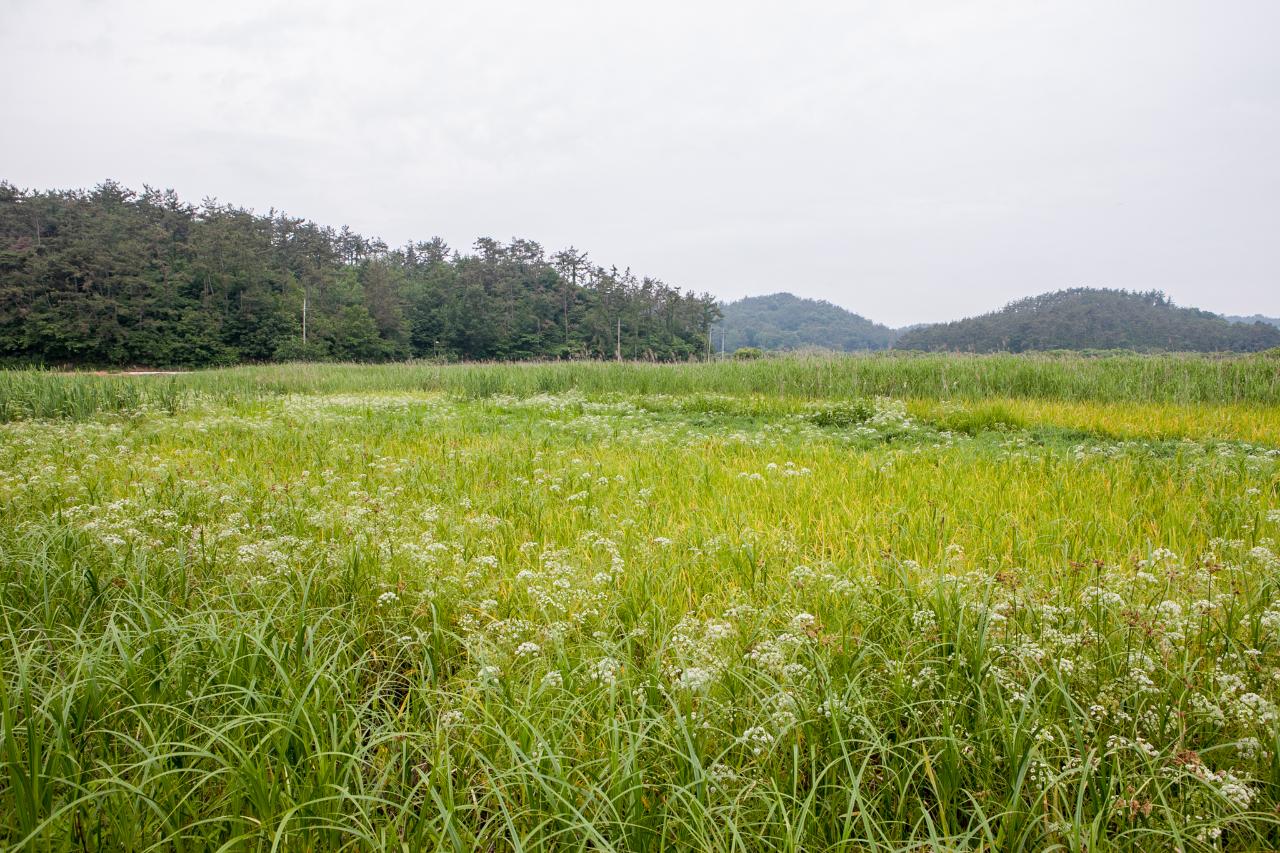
722,341
618,351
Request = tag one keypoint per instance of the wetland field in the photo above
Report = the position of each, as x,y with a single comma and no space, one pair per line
853,603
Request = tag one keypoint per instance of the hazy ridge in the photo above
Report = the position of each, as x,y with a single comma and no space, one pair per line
1075,319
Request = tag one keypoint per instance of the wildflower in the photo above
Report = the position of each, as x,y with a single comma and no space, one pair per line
1162,556
1270,620
1235,790
553,679
1250,749
1141,681
722,773
926,677
695,679
758,739
801,575
387,598
1252,708
716,631
1119,743
833,707
924,621
606,671
1096,596
527,649
1264,555
804,623
795,671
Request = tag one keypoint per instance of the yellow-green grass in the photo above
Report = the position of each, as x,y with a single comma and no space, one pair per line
1252,423
426,619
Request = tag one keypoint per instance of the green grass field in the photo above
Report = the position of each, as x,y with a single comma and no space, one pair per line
867,603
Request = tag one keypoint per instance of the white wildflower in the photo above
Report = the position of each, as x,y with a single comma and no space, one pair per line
487,676
758,739
695,679
606,671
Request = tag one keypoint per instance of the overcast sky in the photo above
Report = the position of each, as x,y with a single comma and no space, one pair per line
911,161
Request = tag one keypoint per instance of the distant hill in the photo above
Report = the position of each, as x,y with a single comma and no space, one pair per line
1256,318
1085,318
782,321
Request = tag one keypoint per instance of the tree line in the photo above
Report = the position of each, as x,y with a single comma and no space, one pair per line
112,277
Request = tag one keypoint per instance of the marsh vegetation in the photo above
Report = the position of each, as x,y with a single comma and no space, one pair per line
865,603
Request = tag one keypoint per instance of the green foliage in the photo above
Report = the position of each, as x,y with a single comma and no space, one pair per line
1084,319
782,321
293,349
748,353
112,277
984,417
843,414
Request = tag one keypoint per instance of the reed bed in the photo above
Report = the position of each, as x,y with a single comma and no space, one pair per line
1175,378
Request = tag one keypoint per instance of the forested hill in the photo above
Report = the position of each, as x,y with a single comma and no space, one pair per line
1255,318
1084,318
114,277
783,321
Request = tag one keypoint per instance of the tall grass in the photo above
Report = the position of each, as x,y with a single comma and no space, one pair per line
1253,379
